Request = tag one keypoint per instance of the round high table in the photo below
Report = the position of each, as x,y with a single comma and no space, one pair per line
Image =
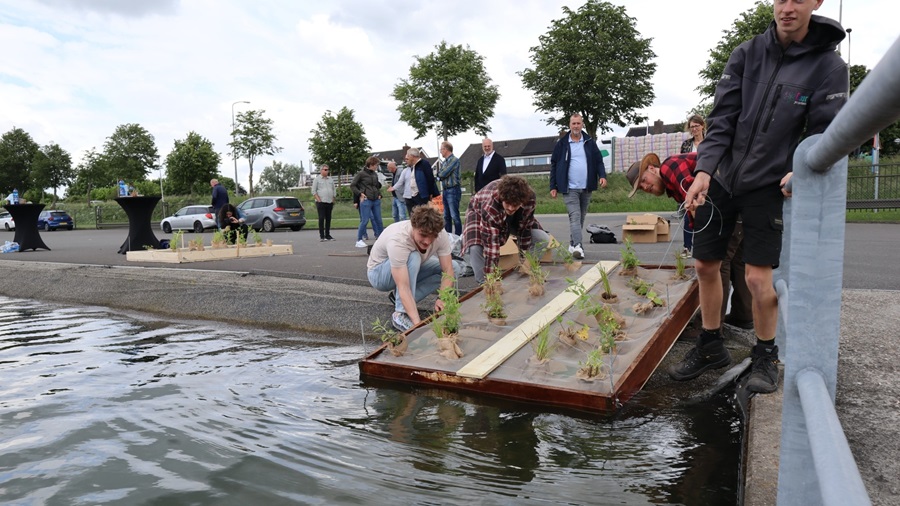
140,235
26,218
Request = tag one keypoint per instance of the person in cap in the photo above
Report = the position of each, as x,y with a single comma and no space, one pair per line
673,177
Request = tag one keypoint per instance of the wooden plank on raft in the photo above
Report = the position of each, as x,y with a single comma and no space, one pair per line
491,358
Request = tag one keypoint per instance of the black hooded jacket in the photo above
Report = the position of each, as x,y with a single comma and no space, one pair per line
766,99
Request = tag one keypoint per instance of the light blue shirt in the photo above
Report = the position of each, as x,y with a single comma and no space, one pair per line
577,164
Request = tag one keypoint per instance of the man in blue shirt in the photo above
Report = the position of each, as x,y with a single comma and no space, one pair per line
576,167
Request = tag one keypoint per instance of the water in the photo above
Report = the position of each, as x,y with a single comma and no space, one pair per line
101,408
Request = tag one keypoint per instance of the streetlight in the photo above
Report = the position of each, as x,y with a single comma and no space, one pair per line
236,186
849,45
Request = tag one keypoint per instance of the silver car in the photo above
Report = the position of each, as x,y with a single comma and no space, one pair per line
269,213
6,220
196,218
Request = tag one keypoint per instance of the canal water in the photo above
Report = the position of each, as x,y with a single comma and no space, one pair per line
99,407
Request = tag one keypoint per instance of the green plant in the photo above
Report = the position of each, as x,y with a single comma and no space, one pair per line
563,254
242,238
386,332
493,281
493,306
176,238
218,237
604,278
533,269
654,298
593,365
629,257
640,286
257,238
679,265
446,321
542,344
609,330
196,244
584,302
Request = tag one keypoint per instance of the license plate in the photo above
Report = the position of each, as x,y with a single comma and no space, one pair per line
295,214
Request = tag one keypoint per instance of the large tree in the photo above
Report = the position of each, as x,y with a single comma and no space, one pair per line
278,177
17,151
339,141
91,173
592,61
750,23
448,91
191,164
53,168
891,133
253,136
130,153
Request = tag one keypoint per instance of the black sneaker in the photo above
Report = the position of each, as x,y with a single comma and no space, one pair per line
763,371
700,359
329,238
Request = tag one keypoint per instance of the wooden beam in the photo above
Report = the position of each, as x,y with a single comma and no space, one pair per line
491,358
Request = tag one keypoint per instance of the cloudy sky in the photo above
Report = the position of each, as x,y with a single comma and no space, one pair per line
71,71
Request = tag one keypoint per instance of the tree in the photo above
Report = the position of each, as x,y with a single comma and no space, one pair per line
340,142
130,153
53,168
278,177
17,151
91,173
594,62
253,137
191,164
750,23
886,136
449,91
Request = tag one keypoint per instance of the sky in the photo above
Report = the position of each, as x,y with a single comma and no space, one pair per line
71,71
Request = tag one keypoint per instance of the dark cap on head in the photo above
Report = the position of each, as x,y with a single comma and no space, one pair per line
637,170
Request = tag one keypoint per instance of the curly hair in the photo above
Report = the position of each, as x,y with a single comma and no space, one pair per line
427,220
514,190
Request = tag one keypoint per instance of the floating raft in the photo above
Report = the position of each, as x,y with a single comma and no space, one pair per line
500,361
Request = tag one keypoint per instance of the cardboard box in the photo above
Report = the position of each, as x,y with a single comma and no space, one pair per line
509,253
645,228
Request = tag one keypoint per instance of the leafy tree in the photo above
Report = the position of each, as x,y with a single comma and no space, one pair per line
253,137
91,173
52,168
17,151
130,153
191,164
594,62
750,23
449,91
340,142
890,133
278,177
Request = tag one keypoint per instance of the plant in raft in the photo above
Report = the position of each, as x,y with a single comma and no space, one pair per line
562,254
493,306
592,368
196,244
177,237
585,303
542,345
396,342
608,296
679,266
218,239
257,239
537,276
609,331
609,315
640,286
629,259
242,238
446,322
493,281
567,332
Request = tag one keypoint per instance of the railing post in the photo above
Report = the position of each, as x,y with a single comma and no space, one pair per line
815,255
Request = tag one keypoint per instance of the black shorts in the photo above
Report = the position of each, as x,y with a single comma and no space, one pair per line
762,214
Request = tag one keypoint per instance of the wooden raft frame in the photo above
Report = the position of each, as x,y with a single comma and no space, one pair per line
184,255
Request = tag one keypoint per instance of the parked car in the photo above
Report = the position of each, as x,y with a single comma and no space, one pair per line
6,220
196,218
269,213
53,219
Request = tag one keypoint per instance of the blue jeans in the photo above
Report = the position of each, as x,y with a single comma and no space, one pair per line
424,278
539,242
577,206
398,209
688,232
451,199
369,210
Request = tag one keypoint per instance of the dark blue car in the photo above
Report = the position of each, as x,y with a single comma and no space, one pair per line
53,219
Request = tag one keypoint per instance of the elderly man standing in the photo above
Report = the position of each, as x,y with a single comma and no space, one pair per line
411,259
421,187
490,167
219,197
452,194
500,209
398,204
576,167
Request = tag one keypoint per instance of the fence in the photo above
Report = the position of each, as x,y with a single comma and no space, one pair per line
809,282
873,187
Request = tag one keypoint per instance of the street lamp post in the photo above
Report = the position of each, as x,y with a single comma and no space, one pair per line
236,186
849,45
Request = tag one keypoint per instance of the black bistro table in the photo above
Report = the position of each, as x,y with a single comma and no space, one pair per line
139,211
26,218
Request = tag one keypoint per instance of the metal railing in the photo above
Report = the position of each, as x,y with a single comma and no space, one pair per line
812,270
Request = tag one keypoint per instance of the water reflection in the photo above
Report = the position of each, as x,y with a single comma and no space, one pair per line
102,408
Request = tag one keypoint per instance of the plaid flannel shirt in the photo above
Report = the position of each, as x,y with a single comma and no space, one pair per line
487,224
677,173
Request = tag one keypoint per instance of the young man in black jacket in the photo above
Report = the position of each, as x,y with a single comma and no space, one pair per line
775,87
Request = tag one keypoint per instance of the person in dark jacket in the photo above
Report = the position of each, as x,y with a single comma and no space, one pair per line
219,197
490,167
421,185
575,169
367,188
233,223
776,86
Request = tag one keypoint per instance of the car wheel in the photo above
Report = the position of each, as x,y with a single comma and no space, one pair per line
268,225
296,228
167,228
7,227
70,227
51,229
198,227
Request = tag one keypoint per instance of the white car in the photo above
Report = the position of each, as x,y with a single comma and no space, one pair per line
6,221
196,218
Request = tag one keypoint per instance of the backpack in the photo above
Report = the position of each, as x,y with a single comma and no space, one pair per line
601,234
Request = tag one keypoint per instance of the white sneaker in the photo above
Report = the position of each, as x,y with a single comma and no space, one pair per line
361,244
571,250
577,252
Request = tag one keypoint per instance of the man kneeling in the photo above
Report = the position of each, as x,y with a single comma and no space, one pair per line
408,260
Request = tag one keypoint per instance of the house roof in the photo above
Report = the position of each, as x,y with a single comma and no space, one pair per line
512,148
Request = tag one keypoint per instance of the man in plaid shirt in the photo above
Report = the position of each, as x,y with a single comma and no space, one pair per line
500,209
672,177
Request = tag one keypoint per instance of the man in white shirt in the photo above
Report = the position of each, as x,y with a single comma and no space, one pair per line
411,259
